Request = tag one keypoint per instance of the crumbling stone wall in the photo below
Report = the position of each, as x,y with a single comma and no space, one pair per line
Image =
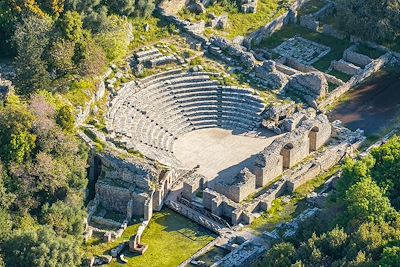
239,188
288,150
192,185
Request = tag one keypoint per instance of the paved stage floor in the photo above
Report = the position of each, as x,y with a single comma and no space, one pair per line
220,153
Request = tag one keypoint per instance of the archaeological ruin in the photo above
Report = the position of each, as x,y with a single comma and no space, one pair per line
219,153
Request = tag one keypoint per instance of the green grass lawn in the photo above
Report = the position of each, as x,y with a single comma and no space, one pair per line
337,46
171,239
240,24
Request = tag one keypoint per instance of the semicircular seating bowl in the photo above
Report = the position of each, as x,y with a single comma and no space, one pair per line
149,115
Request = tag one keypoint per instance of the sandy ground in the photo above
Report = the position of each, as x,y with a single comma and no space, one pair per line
220,153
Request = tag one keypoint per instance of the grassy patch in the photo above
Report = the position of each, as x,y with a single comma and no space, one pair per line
81,92
340,75
331,87
171,239
158,29
281,212
368,51
240,24
310,7
312,185
337,46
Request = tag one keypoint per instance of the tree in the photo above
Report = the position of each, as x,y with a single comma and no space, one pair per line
5,225
333,243
61,57
71,26
366,202
370,19
122,7
390,257
387,168
115,38
354,171
144,8
89,57
280,255
41,248
31,40
65,118
64,219
6,198
81,6
16,139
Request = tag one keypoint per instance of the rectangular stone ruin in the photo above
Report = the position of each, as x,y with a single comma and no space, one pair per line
288,150
302,50
239,188
192,185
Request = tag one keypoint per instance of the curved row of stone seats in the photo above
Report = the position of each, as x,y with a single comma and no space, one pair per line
152,113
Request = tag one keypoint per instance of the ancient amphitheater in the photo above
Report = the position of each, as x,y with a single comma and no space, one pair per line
185,118
221,155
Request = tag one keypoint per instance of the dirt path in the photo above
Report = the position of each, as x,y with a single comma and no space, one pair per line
372,106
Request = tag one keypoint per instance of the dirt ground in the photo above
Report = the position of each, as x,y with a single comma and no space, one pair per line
371,107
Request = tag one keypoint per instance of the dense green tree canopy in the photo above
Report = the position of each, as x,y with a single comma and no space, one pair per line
370,19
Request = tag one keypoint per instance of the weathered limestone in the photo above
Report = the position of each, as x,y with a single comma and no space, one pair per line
356,58
152,58
311,86
302,50
270,75
346,67
220,205
288,150
192,185
239,187
246,254
150,114
248,6
239,52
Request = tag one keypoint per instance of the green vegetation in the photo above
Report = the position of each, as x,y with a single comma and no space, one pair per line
240,24
285,211
337,46
359,226
171,238
42,180
371,20
311,7
158,29
59,49
371,52
340,75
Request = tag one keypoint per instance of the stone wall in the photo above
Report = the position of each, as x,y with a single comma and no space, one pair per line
346,67
289,17
369,69
245,255
84,112
358,59
239,188
192,185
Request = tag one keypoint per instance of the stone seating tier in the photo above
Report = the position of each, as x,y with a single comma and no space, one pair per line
149,115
